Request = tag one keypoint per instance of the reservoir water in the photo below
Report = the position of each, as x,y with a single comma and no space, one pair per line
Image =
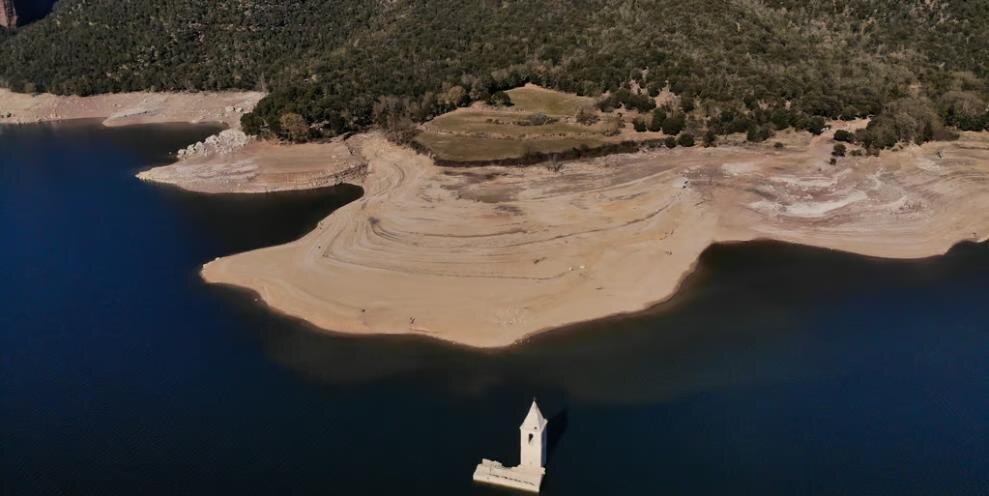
778,370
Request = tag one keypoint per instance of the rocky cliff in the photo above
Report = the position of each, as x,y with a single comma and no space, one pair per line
8,14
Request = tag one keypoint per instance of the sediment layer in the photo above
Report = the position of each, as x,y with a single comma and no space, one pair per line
262,167
487,256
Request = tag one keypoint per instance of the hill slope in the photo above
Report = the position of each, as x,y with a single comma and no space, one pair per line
734,63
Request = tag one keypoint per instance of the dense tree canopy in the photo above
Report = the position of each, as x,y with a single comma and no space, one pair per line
740,65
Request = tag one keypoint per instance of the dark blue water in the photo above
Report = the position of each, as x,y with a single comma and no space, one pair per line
32,10
780,370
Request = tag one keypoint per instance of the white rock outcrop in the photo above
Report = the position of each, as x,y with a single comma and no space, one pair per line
224,143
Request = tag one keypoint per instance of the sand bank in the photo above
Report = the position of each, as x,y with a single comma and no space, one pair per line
486,256
261,167
120,109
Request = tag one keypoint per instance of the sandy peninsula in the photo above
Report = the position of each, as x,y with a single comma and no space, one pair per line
121,109
230,162
487,256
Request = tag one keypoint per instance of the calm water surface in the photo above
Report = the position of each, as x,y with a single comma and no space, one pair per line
780,370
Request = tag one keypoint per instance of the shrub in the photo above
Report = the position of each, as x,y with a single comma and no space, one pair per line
844,136
686,139
537,119
674,124
639,125
642,103
625,98
687,103
658,118
500,99
815,125
710,138
670,142
587,117
780,118
839,150
758,134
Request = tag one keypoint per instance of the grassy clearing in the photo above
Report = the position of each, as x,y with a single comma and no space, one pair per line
532,98
480,134
503,124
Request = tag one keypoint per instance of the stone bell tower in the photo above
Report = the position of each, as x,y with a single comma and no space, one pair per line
533,439
528,475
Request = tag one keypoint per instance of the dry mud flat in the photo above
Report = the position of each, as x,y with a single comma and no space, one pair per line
121,109
486,256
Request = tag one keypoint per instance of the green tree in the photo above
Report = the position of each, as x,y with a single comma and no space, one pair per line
658,118
844,136
757,133
815,125
639,125
674,124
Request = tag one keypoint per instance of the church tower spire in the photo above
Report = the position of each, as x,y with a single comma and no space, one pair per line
533,439
528,475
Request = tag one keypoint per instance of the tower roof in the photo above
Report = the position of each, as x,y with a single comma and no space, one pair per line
534,420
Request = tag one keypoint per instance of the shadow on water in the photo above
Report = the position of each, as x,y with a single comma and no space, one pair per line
554,432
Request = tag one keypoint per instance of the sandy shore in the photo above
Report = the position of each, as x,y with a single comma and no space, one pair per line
120,109
263,167
244,167
487,256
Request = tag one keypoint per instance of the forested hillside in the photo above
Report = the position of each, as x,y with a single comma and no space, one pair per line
736,65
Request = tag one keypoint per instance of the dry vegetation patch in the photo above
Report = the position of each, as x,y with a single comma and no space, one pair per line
539,122
532,98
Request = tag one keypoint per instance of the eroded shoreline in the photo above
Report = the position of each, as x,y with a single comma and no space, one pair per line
263,167
487,256
229,162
